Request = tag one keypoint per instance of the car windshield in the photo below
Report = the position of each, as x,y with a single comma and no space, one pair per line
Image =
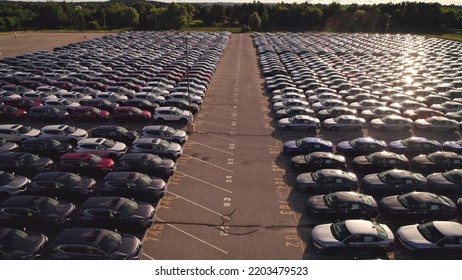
30,159
437,157
136,110
93,160
53,144
407,142
110,241
387,178
308,158
108,143
122,130
354,142
23,129
46,205
330,200
430,232
143,180
66,102
13,240
380,230
317,176
69,129
171,130
164,144
6,178
407,200
372,158
340,231
453,176
69,179
128,207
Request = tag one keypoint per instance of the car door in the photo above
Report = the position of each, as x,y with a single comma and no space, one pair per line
449,246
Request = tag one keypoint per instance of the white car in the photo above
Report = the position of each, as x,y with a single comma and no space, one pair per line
39,95
74,96
288,95
299,122
151,97
17,132
111,96
102,147
173,114
183,95
63,103
194,91
64,132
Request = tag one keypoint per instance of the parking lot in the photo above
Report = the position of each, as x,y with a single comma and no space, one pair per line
233,194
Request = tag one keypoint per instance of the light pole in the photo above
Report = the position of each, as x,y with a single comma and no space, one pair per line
83,21
104,21
191,128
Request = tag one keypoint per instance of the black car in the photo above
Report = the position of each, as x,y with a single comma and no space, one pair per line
182,104
360,146
146,163
418,206
117,212
27,210
413,146
102,104
133,185
142,104
326,181
24,163
116,133
395,181
436,162
94,244
318,160
63,185
307,145
17,244
449,182
45,146
379,161
48,113
12,184
342,205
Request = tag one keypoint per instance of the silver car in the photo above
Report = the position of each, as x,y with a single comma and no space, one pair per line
392,122
437,124
17,132
356,235
345,122
299,122
437,237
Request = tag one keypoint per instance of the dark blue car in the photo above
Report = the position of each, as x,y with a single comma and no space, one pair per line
413,146
361,146
307,145
453,146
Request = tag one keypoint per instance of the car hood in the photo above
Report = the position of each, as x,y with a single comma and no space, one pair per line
397,145
9,147
391,202
143,211
16,184
377,122
330,121
180,133
290,145
167,163
80,133
119,146
106,162
316,201
372,179
30,246
344,145
361,160
128,248
305,178
284,121
62,210
411,234
322,234
33,133
300,159
175,147
437,179
421,159
157,184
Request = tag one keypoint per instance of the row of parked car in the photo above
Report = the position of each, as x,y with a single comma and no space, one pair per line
378,192
91,191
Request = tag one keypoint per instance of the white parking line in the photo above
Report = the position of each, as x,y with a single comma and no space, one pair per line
147,256
197,204
221,107
204,182
215,135
221,116
210,147
216,124
195,237
214,165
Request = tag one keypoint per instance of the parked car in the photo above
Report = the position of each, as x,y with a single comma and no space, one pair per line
116,133
449,182
182,104
307,145
94,244
64,132
133,185
101,104
116,213
165,132
335,112
437,124
318,160
354,235
418,206
378,113
158,147
142,104
44,146
293,111
342,205
17,132
102,147
392,122
12,184
421,113
6,146
68,105
31,210
146,163
130,114
436,238
379,162
299,122
453,146
412,146
22,103
10,113
361,146
19,244
87,113
436,162
326,181
85,163
24,163
345,122
395,181
48,114
162,114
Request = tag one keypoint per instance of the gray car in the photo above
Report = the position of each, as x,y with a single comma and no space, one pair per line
437,237
17,132
354,235
299,122
11,184
157,146
437,124
165,132
392,122
345,122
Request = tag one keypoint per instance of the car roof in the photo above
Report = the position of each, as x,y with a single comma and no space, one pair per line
10,126
315,140
361,227
103,202
80,156
448,228
55,126
138,156
80,236
155,127
328,172
52,175
122,175
425,197
148,140
22,201
92,141
345,196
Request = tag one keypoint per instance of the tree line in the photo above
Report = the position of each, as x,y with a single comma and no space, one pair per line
147,15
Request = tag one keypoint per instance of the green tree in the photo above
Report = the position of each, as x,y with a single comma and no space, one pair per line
254,21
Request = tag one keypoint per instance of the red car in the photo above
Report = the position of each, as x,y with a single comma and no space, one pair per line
12,113
85,163
130,114
23,103
88,113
